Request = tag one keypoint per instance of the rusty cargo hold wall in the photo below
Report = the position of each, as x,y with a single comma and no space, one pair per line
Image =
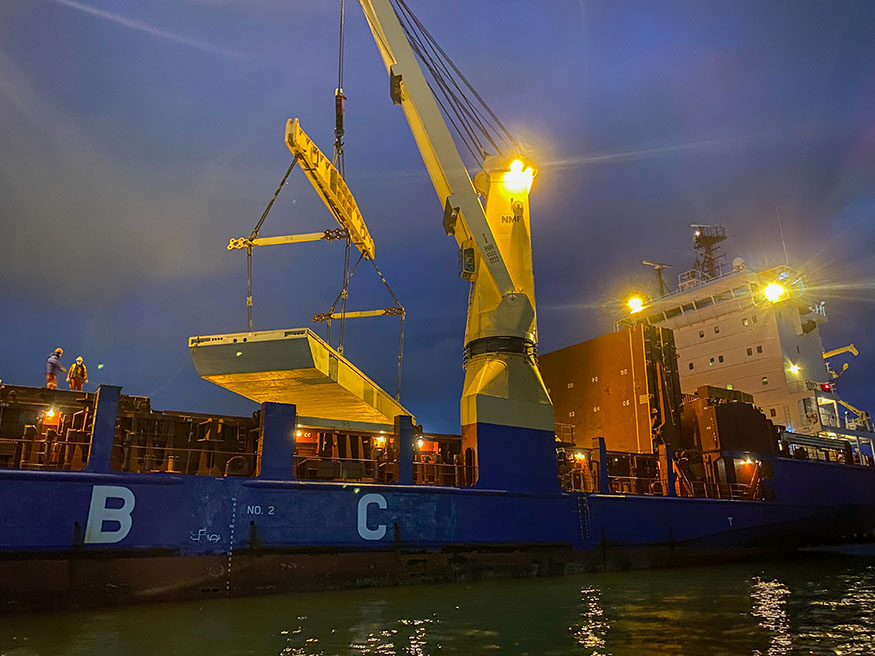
622,386
51,429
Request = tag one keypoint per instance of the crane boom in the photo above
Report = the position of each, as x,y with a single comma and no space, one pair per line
465,217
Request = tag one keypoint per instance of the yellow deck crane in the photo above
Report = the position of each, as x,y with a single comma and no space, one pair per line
850,348
503,386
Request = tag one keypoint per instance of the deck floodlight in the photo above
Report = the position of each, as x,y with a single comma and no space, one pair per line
519,179
774,292
636,304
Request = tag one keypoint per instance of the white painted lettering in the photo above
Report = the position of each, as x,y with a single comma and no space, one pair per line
365,531
98,513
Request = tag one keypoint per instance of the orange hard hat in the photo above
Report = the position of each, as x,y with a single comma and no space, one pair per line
59,350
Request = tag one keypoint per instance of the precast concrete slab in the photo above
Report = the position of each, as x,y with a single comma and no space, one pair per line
293,366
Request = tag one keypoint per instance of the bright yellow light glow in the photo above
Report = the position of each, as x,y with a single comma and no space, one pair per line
380,441
518,180
794,368
774,291
419,443
579,456
50,413
636,304
299,433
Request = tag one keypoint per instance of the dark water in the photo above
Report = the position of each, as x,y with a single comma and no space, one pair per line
821,604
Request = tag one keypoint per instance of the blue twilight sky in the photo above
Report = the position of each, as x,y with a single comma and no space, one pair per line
137,137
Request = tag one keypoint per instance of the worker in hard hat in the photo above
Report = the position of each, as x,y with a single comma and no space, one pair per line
78,375
53,368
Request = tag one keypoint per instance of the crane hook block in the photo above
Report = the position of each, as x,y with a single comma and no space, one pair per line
330,186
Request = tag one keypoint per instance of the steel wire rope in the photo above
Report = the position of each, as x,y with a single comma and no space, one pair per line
447,102
430,63
471,142
340,163
414,28
437,63
254,235
401,329
510,138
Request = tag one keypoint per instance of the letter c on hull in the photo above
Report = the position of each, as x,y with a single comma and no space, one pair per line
366,532
98,513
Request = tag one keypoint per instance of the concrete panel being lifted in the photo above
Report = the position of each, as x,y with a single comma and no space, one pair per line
293,366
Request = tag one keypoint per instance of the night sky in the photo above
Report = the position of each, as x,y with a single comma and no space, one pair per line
137,137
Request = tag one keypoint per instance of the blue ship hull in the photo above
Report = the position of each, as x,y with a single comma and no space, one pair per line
74,538
195,536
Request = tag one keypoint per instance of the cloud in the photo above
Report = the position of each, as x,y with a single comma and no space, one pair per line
78,224
739,141
155,31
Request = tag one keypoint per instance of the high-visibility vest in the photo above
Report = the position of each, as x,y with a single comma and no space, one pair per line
76,373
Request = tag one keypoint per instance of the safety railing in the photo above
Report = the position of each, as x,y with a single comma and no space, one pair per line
635,485
579,480
68,452
150,458
348,469
441,473
381,471
710,490
586,481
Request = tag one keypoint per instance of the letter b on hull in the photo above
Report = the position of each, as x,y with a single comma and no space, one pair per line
98,514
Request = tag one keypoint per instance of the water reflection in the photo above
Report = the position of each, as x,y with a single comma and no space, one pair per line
848,622
732,610
770,606
591,631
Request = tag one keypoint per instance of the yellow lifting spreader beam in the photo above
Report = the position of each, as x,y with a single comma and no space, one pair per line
328,235
332,189
330,186
358,314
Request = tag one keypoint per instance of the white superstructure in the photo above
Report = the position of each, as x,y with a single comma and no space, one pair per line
758,332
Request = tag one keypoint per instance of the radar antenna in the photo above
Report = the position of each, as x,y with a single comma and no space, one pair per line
710,258
658,267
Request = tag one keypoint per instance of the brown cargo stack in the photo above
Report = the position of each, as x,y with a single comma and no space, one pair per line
726,420
622,386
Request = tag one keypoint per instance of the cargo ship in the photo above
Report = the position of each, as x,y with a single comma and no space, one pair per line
611,453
